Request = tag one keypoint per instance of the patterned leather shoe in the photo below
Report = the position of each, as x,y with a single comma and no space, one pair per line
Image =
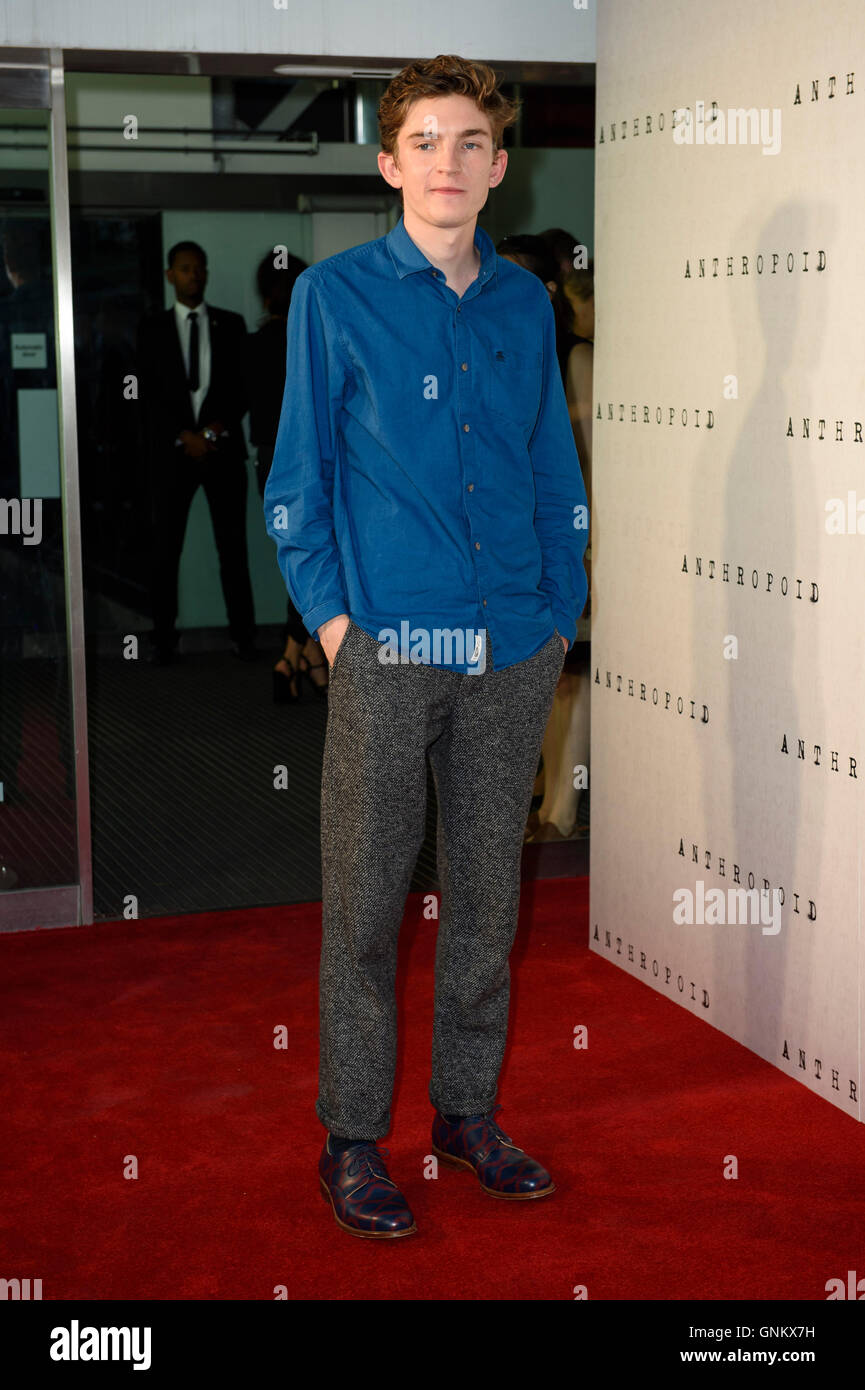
364,1200
503,1170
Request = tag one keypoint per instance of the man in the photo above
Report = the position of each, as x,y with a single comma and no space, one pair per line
425,479
193,399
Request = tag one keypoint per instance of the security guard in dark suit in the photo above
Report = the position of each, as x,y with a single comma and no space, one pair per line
193,395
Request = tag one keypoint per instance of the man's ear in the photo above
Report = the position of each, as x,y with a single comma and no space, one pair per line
380,159
500,151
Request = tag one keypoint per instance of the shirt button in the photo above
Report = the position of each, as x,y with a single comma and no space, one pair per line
485,603
466,428
471,487
465,366
477,545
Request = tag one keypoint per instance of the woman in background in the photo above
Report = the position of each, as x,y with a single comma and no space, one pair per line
566,741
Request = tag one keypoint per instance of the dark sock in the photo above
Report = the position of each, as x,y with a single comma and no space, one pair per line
338,1143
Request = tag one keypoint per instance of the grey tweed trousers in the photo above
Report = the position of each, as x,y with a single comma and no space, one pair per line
483,735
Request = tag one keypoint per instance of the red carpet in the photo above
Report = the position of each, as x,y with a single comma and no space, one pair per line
155,1039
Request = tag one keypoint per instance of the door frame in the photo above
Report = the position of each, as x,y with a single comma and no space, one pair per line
34,79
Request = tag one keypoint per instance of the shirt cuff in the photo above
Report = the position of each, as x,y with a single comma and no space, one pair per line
322,613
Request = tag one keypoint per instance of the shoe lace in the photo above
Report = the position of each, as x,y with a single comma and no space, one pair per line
370,1158
493,1129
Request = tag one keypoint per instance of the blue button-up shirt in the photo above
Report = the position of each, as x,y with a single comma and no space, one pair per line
425,475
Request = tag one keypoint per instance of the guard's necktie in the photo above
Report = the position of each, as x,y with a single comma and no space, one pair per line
193,352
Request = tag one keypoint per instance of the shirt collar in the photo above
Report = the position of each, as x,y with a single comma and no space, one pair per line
407,256
183,310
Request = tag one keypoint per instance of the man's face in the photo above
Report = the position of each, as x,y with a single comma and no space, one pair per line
188,275
445,161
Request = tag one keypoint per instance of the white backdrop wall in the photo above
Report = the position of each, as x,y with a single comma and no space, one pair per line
730,402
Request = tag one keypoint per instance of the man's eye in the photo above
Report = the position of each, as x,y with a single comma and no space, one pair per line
427,144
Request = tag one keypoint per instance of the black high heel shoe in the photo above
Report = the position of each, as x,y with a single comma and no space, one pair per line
304,671
283,694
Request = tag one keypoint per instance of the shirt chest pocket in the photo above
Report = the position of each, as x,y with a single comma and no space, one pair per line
514,385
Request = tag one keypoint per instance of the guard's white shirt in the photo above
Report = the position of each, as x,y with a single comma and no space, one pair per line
184,329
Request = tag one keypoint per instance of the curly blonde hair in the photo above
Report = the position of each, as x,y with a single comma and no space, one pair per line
439,77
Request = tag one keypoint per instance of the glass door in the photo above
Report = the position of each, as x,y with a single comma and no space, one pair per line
44,820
